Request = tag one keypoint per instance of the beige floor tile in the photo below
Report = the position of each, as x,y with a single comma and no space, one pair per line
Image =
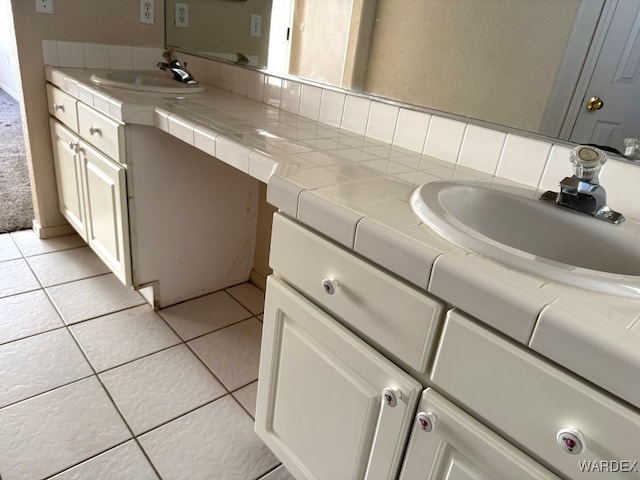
27,314
36,364
247,397
215,442
16,277
124,462
29,244
66,266
205,314
120,337
250,296
161,387
233,353
92,297
8,248
54,431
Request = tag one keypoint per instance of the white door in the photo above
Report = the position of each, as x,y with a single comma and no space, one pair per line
448,444
321,406
616,82
68,168
280,35
106,211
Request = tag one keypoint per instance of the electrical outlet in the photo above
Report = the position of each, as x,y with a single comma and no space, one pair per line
44,6
256,25
147,12
182,15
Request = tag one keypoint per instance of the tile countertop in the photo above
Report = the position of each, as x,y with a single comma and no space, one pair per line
356,190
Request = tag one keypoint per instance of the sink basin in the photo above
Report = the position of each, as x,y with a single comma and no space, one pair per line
511,226
147,81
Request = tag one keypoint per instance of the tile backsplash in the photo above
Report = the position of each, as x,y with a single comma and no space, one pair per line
532,160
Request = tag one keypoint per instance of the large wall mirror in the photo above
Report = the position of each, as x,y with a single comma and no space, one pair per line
523,64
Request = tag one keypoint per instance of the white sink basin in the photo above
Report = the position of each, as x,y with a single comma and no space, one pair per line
147,81
516,229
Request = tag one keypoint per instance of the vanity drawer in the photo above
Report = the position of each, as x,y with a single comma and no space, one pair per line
391,315
531,401
103,133
63,107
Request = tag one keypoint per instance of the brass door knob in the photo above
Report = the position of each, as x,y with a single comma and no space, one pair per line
594,103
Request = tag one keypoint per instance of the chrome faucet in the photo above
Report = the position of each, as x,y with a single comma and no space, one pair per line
180,72
582,192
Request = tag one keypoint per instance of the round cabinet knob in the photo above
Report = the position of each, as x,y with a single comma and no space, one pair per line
391,396
330,286
570,440
57,107
426,421
95,130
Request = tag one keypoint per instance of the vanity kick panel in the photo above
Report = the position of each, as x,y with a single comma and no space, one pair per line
391,314
531,401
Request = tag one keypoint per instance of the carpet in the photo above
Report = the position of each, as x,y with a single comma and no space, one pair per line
16,207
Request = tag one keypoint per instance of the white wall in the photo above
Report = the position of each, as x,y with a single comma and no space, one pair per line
9,76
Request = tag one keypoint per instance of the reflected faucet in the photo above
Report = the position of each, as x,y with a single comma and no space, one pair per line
180,72
582,192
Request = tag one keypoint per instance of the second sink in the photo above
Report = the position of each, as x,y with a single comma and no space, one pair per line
147,81
514,228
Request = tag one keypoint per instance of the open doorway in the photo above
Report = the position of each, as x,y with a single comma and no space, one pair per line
16,206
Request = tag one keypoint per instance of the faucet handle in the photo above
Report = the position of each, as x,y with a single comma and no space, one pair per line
587,162
169,55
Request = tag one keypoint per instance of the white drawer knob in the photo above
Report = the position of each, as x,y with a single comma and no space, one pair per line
426,420
95,130
390,396
570,440
330,286
57,107
74,147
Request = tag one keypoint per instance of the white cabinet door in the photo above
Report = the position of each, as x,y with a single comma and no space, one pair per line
106,207
448,444
68,168
321,407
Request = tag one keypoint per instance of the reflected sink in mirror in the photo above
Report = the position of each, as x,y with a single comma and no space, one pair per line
146,81
511,226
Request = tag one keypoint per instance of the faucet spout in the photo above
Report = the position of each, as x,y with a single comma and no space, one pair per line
582,192
179,71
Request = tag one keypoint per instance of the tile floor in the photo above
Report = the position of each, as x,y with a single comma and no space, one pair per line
96,385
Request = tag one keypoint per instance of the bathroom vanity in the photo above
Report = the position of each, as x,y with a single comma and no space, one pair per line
388,351
145,201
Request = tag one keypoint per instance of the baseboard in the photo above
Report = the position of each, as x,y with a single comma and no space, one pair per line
258,280
52,232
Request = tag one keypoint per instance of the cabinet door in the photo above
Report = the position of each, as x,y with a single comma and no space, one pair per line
321,406
68,168
448,444
106,211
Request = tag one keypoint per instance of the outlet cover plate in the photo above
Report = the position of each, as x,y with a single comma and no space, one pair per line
256,25
147,12
182,15
44,6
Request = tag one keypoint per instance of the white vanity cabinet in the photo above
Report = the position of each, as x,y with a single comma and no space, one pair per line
329,406
340,333
92,190
161,214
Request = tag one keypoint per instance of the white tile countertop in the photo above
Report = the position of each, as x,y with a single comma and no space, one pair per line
355,189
